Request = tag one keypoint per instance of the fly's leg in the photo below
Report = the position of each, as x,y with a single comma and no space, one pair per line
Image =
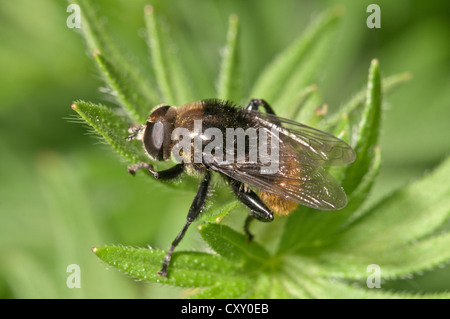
195,207
254,105
247,232
258,209
163,175
194,212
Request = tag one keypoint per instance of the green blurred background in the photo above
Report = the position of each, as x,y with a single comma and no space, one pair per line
62,192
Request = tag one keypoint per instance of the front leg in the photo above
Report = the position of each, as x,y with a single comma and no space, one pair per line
195,210
167,174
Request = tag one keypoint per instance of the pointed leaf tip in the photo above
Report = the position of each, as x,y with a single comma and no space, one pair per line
234,18
148,9
229,84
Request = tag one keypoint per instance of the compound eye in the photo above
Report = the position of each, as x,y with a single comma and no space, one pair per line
158,135
154,139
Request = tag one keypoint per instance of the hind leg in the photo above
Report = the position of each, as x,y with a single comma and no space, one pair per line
258,209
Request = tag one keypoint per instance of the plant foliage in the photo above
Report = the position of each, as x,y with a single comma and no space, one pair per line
318,254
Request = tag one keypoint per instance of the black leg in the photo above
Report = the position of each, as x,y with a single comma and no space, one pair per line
194,212
258,209
254,105
247,232
163,175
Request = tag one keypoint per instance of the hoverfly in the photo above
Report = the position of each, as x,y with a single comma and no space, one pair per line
273,165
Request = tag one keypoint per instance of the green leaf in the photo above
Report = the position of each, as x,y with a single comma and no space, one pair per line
406,215
319,254
342,131
389,84
268,286
122,86
307,228
122,72
170,75
159,57
304,279
230,289
360,194
229,86
233,245
304,105
368,132
303,75
112,127
218,211
187,269
394,262
274,78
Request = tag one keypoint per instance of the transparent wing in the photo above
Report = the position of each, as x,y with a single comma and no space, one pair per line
313,187
296,172
318,147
